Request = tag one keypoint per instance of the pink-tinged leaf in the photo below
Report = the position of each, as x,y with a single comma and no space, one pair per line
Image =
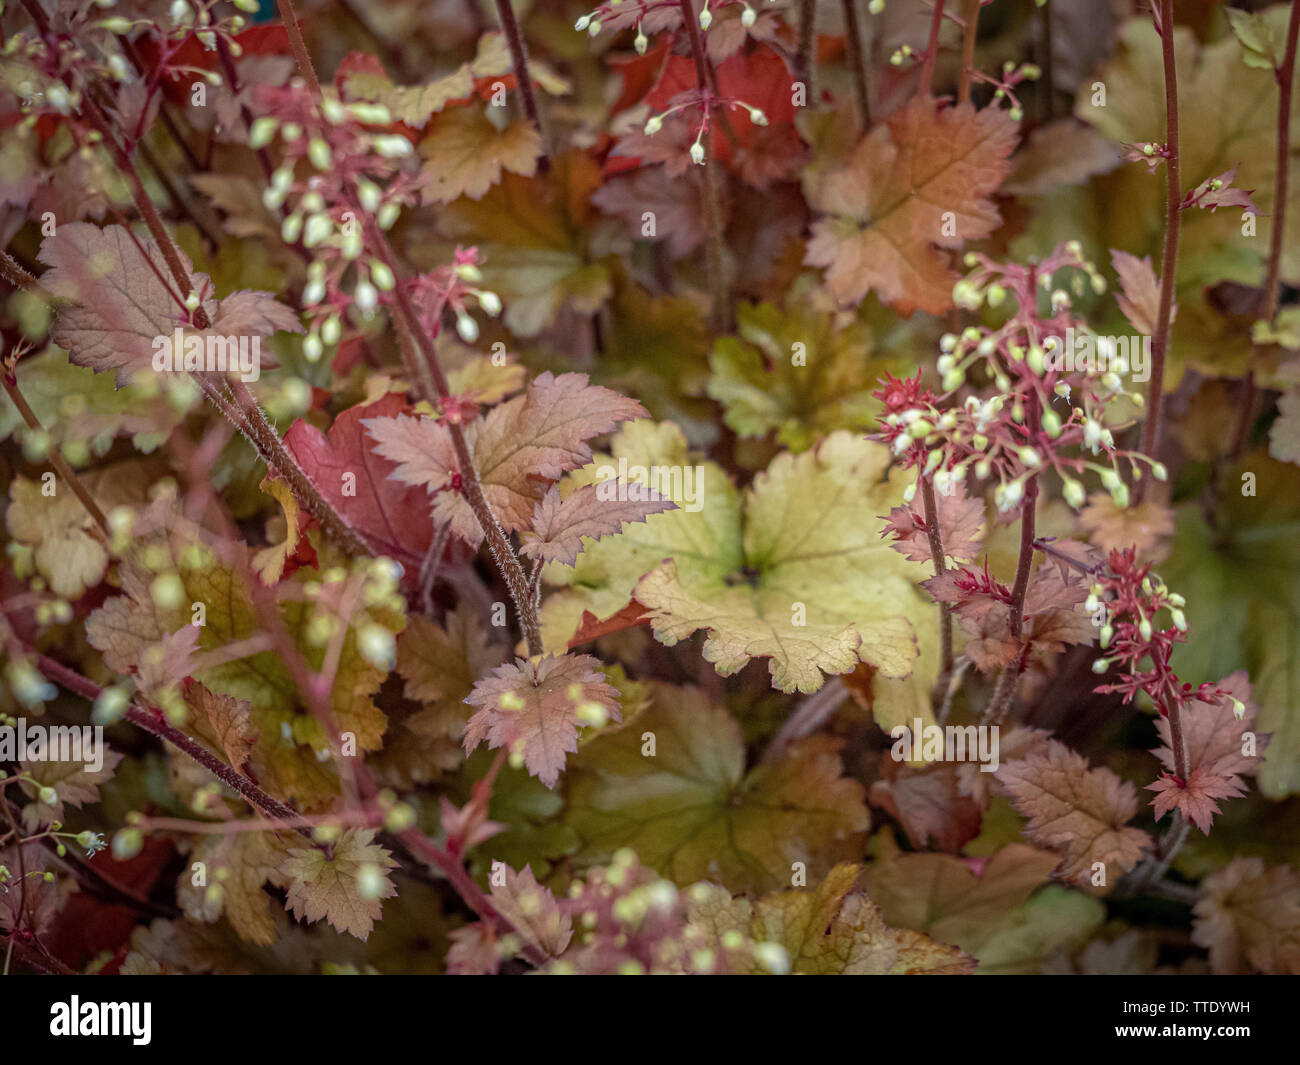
533,912
1078,811
928,803
882,226
559,525
1221,749
120,304
420,447
1193,798
1216,192
345,886
1139,295
591,627
1248,917
394,517
167,663
249,313
533,709
961,525
518,448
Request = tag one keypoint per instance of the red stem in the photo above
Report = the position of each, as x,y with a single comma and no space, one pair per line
1169,261
925,88
1284,76
519,63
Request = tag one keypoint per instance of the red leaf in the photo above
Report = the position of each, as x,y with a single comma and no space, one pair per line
393,516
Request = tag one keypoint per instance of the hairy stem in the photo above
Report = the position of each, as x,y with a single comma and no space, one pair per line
1284,75
519,63
935,536
926,86
157,725
503,555
57,460
1169,261
805,44
857,61
298,45
971,18
1178,741
1005,690
719,295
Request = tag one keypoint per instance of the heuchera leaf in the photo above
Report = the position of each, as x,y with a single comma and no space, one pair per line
517,448
345,886
240,864
802,578
465,154
415,104
356,481
884,211
801,372
988,907
1221,748
1079,811
1249,918
223,723
119,305
67,553
961,527
534,709
560,525
75,783
537,250
928,803
533,911
285,755
835,930
692,811
1139,295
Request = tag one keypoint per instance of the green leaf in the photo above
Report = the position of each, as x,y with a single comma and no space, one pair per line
988,913
1262,35
813,586
835,931
345,886
691,810
1242,585
802,373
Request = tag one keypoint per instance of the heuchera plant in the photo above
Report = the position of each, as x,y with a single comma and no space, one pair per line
482,500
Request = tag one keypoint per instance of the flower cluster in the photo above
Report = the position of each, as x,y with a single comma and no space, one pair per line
338,176
652,16
628,920
1035,417
1133,598
52,71
666,15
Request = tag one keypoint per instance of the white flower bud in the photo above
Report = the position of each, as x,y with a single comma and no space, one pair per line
262,131
365,296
